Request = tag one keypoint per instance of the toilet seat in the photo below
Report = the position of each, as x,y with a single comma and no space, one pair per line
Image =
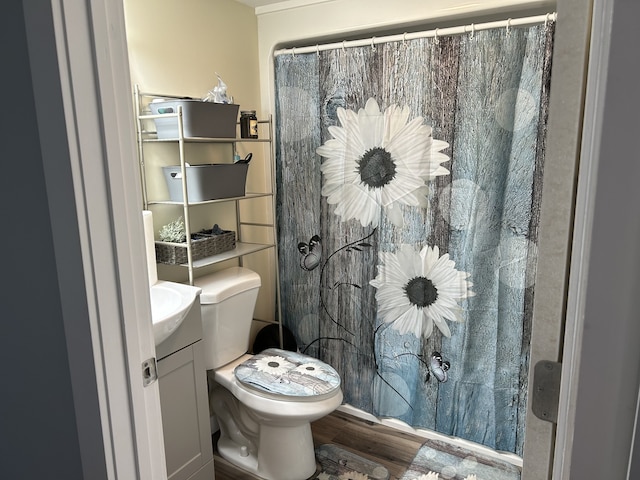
287,376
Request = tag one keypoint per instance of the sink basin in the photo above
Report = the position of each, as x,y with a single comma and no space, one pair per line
170,303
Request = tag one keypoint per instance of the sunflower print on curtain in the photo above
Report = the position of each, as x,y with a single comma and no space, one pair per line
407,260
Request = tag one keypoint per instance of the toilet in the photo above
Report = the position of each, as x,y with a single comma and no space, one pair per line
263,404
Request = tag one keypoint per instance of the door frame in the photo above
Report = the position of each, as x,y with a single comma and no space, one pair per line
78,55
556,231
91,46
599,395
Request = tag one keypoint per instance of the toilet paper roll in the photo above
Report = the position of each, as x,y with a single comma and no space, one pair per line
147,219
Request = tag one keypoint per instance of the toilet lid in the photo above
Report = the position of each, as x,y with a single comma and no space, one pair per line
288,375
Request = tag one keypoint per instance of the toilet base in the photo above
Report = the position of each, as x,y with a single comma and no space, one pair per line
284,453
266,436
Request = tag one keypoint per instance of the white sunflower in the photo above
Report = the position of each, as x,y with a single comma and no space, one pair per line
353,476
416,290
275,365
377,161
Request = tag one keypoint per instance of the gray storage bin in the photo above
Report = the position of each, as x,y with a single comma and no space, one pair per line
207,182
200,119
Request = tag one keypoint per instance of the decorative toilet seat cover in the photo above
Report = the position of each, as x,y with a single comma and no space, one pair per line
288,374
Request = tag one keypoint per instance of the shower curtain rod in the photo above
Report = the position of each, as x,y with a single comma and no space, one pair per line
438,32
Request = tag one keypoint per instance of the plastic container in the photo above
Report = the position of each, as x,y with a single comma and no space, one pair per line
207,182
200,119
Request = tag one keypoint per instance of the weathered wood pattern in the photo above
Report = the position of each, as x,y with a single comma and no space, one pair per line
485,95
403,455
336,463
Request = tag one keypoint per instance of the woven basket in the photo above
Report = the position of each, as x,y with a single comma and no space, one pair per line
202,245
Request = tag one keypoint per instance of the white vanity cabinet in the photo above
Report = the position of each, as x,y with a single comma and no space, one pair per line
184,401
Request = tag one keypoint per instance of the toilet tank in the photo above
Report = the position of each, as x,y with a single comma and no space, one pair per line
228,300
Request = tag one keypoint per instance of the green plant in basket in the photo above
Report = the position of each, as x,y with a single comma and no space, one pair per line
174,232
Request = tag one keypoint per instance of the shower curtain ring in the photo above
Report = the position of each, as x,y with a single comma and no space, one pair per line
473,31
508,26
436,40
546,20
317,49
343,46
404,39
373,45
293,52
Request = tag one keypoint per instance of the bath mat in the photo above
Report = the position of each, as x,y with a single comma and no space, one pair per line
339,464
457,463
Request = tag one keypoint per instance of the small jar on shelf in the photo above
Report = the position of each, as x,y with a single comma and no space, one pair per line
248,124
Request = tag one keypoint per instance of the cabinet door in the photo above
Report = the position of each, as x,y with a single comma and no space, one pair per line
185,412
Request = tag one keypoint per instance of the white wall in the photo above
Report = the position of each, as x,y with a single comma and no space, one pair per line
177,48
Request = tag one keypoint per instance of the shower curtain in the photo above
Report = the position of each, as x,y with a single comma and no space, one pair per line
409,180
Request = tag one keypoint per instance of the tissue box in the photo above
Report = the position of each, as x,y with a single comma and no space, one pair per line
200,119
207,182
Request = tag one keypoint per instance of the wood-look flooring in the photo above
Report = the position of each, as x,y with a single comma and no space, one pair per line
387,446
